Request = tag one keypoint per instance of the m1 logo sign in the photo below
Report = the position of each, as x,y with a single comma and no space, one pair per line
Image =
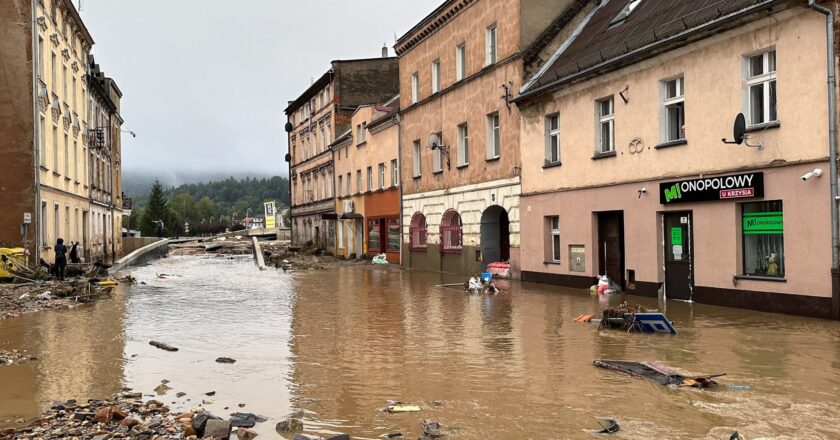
738,186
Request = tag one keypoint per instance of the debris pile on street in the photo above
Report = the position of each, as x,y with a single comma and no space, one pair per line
286,257
237,245
15,357
17,299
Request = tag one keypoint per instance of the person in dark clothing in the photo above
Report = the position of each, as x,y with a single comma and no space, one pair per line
60,258
74,254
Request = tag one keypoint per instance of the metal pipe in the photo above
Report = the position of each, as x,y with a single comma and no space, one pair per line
36,140
832,128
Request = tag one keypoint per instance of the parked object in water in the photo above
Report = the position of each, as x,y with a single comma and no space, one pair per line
608,426
658,373
499,269
634,319
652,322
402,408
379,259
162,346
481,285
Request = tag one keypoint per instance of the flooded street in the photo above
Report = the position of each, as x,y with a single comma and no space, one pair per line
342,342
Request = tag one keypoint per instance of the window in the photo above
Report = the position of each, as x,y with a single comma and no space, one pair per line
349,188
381,176
43,145
437,157
53,82
673,110
490,42
66,157
394,236
55,149
56,223
415,159
415,87
451,234
435,76
463,145
41,58
461,61
763,239
552,139
328,137
369,178
418,233
622,16
493,141
552,226
73,94
358,181
374,238
43,224
606,125
395,173
761,83
327,94
75,161
64,82
340,185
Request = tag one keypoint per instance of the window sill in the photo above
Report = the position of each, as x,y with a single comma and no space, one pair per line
67,179
43,168
555,263
417,176
361,144
435,173
761,278
764,126
56,174
674,143
551,164
492,159
605,155
463,165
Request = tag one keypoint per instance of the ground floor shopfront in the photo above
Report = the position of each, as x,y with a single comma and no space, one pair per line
314,224
462,230
67,216
757,239
382,224
350,229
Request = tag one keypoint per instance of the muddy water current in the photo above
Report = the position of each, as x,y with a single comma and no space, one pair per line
340,343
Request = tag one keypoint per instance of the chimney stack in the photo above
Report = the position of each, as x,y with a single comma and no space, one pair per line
384,51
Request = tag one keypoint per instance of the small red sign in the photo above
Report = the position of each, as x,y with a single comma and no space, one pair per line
737,193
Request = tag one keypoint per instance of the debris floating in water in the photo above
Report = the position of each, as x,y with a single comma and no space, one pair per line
162,346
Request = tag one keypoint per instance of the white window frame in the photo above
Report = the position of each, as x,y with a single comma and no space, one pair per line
381,176
416,157
463,145
555,251
494,134
602,119
552,133
766,80
436,75
395,173
358,181
668,102
437,158
349,184
340,186
369,179
461,61
491,43
415,87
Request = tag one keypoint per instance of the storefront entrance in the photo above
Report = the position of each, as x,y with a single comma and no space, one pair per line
679,259
611,246
495,236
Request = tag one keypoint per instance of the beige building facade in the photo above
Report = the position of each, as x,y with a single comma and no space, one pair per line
460,67
624,170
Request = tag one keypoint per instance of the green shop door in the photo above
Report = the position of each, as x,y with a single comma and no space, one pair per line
679,258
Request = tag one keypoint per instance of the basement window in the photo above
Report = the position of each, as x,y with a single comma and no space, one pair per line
622,16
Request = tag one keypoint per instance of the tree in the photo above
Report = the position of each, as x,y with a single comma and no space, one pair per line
157,210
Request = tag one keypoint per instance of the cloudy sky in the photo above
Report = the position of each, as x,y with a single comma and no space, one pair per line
205,81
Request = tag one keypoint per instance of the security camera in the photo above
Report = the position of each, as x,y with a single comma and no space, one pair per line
816,173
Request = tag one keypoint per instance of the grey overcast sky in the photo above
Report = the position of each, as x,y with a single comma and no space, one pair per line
205,82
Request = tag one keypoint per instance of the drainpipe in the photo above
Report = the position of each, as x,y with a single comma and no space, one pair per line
832,153
400,174
36,141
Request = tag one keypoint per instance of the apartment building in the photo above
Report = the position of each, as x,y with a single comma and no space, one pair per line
624,172
313,119
460,68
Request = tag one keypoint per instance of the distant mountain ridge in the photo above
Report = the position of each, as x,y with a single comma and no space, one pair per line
138,183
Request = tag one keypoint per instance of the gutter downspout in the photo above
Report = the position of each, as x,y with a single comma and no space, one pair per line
400,174
36,141
832,154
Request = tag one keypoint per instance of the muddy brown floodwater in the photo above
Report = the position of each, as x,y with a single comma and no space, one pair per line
342,342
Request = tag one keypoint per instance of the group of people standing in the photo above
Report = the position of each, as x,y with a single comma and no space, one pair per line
61,257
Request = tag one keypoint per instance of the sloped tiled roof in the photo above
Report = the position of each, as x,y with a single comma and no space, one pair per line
653,27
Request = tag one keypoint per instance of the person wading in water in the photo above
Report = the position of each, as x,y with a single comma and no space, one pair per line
60,258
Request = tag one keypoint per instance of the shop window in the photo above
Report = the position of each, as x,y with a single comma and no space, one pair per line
761,88
552,139
393,235
763,239
673,110
552,229
418,233
451,234
605,141
374,238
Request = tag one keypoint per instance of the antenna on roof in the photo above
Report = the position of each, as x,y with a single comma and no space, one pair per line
80,6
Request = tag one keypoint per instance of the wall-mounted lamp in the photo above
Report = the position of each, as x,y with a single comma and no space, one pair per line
816,173
643,190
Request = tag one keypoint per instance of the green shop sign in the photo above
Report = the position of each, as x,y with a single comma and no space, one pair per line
763,223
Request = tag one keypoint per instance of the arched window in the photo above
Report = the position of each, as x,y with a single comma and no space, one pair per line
418,232
451,234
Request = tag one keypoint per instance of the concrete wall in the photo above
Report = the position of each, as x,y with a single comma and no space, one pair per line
799,39
131,244
17,191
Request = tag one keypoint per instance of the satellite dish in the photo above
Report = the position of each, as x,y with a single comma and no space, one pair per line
434,141
739,130
289,127
288,157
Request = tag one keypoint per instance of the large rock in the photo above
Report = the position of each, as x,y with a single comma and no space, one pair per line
217,429
107,414
289,425
243,420
199,422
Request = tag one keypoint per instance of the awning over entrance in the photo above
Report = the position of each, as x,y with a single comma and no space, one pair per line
351,216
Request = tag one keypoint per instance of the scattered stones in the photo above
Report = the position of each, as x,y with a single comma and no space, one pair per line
17,299
243,420
199,422
162,389
162,346
289,425
15,357
180,394
245,434
210,393
217,429
226,360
